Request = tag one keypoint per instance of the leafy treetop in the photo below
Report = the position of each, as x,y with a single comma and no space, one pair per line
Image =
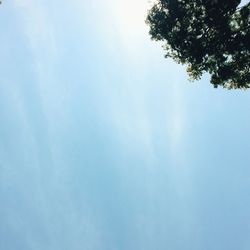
208,35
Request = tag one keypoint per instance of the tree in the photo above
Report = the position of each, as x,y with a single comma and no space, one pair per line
208,36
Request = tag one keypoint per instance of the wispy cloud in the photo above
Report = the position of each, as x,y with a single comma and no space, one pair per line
38,28
176,121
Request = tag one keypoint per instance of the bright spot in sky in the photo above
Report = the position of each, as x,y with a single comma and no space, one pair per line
130,18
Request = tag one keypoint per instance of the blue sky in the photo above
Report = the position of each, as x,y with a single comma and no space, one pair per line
106,145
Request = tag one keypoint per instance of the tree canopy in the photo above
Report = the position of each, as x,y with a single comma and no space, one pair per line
208,36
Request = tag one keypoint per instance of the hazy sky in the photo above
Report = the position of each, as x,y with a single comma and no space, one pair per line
105,145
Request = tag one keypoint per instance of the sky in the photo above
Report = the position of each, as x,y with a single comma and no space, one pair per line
106,145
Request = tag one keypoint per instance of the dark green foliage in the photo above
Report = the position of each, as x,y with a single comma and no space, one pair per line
208,35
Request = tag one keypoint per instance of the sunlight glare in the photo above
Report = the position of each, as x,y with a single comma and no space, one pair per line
130,18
